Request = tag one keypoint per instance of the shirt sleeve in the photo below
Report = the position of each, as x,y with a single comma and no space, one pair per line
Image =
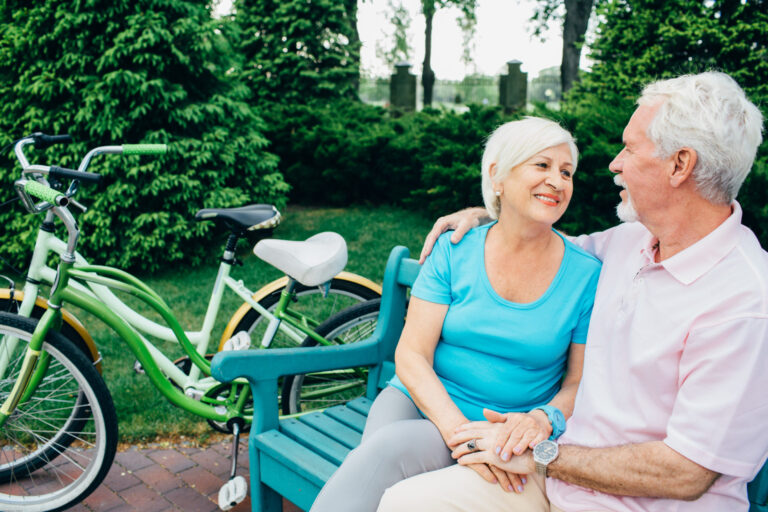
434,281
587,302
594,243
721,409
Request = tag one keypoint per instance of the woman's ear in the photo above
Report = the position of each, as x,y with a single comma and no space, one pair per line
492,170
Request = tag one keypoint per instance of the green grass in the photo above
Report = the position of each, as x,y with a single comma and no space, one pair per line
143,413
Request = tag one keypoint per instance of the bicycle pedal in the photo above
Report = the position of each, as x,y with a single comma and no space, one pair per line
138,368
194,394
232,493
240,341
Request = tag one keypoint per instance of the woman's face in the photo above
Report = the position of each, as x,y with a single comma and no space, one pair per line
540,188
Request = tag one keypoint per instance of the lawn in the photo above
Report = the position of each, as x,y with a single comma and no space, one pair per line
370,234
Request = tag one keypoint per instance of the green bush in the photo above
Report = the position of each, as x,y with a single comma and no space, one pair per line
151,71
347,152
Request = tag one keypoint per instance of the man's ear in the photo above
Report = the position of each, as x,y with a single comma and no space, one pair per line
684,160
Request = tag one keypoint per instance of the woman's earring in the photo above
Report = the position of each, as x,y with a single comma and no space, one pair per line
498,193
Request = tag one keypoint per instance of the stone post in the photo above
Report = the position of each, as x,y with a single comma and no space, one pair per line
513,88
402,88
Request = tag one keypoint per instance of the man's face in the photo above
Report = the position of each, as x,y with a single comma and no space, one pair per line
637,168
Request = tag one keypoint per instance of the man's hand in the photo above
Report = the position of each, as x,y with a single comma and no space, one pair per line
461,222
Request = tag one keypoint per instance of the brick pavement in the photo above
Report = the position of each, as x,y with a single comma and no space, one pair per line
170,477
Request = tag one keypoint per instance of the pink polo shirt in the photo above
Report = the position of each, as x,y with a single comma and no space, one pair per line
676,351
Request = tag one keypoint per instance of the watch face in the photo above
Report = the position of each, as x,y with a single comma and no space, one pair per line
545,452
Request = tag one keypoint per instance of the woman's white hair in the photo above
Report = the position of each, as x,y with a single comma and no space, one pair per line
515,142
710,114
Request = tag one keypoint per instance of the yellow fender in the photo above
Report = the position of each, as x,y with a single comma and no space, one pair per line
279,284
67,318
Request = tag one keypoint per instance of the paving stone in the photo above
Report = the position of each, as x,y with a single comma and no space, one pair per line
103,499
213,461
133,459
145,499
202,480
189,500
119,479
172,460
159,478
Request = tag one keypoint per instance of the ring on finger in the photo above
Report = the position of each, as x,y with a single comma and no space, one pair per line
472,445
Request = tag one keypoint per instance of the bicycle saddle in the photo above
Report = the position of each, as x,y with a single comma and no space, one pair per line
311,262
246,218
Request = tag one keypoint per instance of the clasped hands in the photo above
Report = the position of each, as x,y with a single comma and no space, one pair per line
501,445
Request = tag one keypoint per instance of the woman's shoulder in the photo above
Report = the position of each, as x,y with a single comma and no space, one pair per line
470,240
582,257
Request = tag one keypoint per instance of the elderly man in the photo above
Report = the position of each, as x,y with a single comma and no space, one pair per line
672,411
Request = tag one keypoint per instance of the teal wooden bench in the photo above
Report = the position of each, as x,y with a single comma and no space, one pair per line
295,457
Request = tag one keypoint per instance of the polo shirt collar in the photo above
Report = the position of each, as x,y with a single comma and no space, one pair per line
696,260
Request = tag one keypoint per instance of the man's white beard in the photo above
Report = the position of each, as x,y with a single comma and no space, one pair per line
625,209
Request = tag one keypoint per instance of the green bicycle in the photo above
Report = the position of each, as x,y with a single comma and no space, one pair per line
58,429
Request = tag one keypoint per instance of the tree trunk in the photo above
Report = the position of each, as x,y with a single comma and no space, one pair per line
574,27
427,75
350,7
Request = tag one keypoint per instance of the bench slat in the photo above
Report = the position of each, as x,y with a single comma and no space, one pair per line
347,416
294,457
314,440
361,405
332,428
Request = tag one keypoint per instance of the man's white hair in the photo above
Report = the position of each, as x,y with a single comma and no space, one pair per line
513,143
710,114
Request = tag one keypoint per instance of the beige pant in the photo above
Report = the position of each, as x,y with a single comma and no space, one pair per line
461,489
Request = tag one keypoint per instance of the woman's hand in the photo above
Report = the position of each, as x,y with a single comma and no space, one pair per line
487,433
511,433
484,454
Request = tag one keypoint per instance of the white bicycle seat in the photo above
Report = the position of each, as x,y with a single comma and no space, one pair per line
311,262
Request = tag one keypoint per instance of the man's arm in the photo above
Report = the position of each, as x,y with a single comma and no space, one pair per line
651,470
461,222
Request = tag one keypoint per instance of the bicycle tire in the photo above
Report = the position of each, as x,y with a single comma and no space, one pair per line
342,294
307,392
69,331
56,447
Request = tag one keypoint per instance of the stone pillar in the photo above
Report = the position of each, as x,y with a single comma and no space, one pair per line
513,88
402,88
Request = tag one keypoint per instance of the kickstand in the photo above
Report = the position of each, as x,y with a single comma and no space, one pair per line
234,490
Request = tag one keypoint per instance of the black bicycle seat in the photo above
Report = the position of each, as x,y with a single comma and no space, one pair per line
245,218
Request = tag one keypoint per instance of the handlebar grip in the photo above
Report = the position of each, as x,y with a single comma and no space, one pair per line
40,191
61,172
42,140
144,149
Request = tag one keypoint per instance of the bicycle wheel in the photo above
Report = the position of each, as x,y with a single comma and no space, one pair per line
343,293
58,445
306,392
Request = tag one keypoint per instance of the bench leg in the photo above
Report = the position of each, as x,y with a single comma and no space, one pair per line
263,498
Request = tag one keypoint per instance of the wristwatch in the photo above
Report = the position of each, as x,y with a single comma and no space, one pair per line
543,454
556,418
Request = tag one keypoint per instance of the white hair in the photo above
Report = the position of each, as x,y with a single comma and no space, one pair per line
513,143
710,114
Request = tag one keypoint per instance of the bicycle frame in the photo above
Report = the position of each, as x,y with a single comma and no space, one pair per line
85,285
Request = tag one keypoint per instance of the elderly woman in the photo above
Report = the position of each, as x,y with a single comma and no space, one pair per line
493,323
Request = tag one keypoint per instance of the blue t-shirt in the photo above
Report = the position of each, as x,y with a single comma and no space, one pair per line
495,353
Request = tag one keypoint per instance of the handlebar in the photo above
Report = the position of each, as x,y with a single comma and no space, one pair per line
61,172
42,140
38,173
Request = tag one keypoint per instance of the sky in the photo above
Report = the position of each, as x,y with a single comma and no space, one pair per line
503,33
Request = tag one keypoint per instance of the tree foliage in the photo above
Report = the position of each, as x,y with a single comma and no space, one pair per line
111,72
395,47
299,51
639,41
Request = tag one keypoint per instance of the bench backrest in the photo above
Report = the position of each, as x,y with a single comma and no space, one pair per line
399,276
758,491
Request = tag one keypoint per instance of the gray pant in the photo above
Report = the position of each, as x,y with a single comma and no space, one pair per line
397,443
